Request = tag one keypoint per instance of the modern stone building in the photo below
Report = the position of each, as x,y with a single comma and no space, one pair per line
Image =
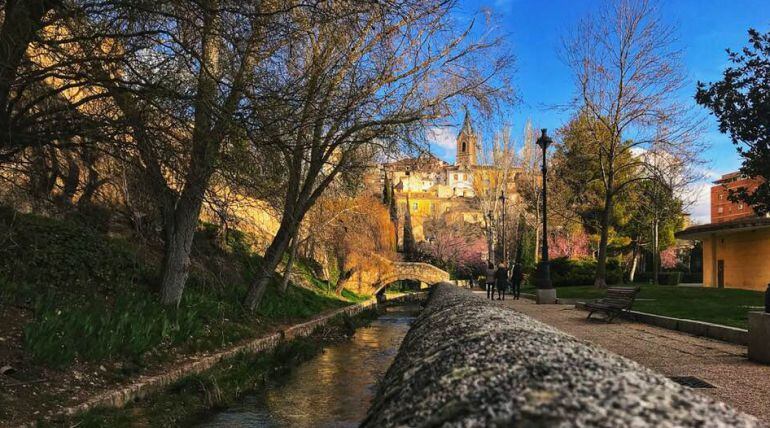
736,244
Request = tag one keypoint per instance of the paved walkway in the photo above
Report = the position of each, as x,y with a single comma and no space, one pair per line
739,382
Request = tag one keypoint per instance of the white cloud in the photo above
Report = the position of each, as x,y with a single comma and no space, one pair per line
700,195
442,136
443,140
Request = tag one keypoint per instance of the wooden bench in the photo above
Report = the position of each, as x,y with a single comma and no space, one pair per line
617,300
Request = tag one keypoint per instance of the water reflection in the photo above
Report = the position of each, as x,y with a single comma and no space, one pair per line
332,390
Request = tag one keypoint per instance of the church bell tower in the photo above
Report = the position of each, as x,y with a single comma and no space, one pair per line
466,143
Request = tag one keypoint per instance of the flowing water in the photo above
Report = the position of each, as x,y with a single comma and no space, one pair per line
334,389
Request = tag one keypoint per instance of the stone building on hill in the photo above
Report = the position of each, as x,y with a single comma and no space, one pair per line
436,188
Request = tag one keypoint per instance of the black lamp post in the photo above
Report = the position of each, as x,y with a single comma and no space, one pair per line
545,291
502,201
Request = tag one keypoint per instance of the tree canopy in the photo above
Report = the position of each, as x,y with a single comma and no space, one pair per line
741,103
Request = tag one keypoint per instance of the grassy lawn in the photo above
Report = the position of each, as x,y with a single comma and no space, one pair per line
720,306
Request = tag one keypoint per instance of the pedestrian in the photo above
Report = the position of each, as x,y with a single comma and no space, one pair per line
490,280
501,281
516,277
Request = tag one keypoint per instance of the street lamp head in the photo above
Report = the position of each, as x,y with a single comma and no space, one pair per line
544,141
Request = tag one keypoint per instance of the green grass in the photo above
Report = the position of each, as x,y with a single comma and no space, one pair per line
720,306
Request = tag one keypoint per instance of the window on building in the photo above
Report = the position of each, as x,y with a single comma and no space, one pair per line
740,206
721,196
720,210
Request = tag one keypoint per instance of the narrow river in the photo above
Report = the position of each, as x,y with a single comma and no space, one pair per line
334,389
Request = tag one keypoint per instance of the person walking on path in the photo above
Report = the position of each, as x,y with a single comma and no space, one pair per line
490,280
501,281
516,277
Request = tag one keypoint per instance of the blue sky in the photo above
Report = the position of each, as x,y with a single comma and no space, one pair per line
533,30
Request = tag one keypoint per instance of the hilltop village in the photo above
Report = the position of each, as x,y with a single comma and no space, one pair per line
433,189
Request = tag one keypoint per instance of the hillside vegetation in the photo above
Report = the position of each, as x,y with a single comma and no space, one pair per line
92,297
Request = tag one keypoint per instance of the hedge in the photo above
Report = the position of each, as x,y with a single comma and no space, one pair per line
567,272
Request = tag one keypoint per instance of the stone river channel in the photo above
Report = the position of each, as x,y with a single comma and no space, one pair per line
334,389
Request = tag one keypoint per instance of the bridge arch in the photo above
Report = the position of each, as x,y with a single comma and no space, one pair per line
372,278
414,271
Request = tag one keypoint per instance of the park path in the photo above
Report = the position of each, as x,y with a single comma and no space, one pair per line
739,382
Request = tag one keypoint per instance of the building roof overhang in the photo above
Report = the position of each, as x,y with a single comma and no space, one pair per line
715,229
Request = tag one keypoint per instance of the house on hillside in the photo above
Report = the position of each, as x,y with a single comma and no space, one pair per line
736,244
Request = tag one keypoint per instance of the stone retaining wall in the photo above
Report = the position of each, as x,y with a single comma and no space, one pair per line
467,362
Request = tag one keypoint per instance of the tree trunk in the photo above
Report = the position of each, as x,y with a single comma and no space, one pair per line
289,264
491,244
655,253
634,261
92,183
207,138
344,277
537,240
180,230
71,179
601,262
270,262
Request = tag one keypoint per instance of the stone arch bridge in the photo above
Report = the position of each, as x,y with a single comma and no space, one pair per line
376,278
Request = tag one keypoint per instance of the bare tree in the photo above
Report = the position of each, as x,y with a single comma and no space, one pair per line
21,26
529,183
492,179
49,120
627,72
177,75
359,77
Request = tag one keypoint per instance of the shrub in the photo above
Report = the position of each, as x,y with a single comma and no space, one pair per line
573,272
94,216
670,278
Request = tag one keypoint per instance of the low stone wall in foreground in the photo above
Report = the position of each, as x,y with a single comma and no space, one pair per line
467,362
